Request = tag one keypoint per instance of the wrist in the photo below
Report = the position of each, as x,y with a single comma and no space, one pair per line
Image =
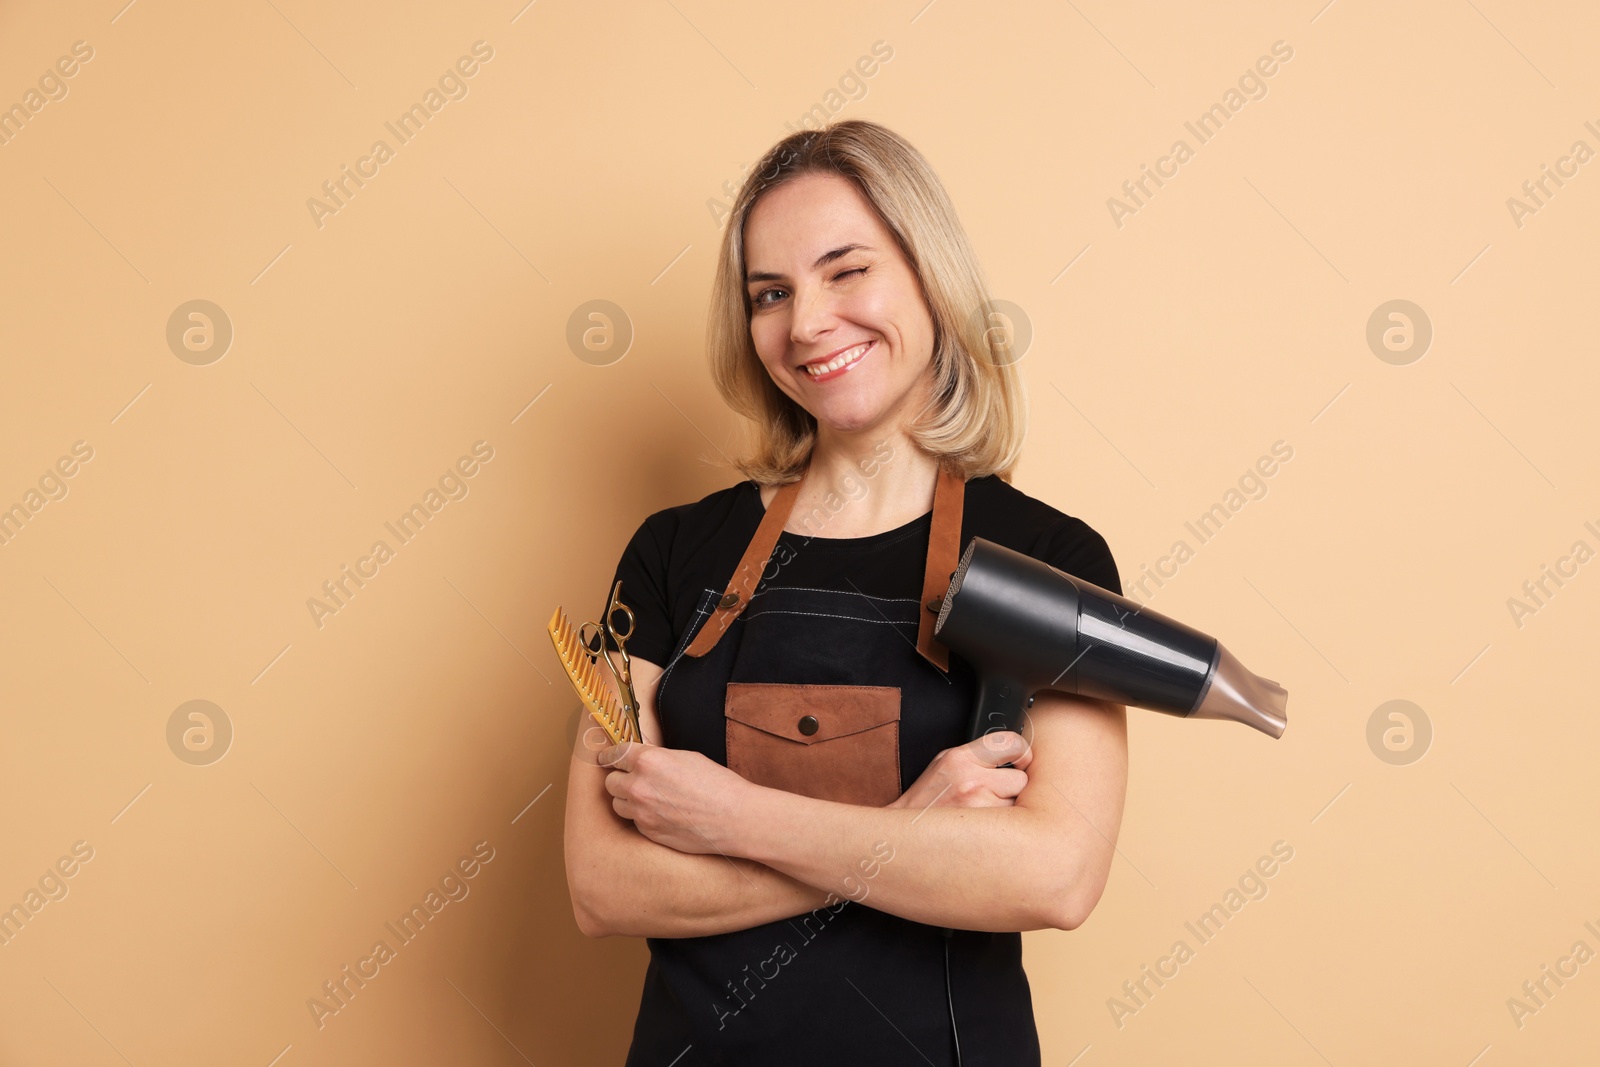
750,829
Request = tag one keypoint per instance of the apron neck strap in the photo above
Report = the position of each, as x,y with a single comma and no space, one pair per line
944,555
944,551
743,583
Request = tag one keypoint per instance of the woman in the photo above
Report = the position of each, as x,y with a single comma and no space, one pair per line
801,905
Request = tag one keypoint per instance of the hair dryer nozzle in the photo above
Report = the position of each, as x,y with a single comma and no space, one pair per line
1234,693
1026,626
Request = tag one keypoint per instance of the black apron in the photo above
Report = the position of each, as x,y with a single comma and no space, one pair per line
846,697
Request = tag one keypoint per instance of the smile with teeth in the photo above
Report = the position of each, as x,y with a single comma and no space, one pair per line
843,359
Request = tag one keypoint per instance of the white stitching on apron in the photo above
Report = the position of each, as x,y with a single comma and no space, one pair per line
841,592
826,615
683,643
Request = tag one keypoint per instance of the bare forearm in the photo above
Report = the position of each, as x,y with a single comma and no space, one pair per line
996,869
632,886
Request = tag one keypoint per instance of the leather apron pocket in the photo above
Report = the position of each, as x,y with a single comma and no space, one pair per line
831,742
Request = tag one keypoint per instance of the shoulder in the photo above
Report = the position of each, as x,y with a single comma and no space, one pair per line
704,516
1000,512
683,540
674,553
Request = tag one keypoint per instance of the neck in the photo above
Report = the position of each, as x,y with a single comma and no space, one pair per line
878,481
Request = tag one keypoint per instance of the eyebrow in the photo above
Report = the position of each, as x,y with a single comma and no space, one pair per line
822,261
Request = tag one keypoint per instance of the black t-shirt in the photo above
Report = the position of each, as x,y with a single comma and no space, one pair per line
673,560
678,551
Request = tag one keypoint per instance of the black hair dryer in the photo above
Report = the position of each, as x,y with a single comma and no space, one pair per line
1025,626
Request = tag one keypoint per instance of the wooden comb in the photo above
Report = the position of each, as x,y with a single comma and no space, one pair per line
583,672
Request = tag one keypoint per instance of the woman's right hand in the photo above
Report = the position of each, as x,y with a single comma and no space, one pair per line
972,775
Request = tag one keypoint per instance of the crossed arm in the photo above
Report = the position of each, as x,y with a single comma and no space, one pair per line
667,843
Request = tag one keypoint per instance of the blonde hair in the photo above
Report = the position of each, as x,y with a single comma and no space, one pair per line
976,417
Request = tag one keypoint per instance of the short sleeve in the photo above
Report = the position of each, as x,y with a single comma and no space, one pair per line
1076,548
643,573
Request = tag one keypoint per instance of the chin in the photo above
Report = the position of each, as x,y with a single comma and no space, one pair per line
849,423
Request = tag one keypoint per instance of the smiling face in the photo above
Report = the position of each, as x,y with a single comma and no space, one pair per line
829,287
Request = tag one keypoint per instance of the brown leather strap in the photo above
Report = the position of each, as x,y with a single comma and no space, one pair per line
743,583
944,556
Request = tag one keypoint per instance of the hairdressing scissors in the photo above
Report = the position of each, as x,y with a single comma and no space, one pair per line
624,677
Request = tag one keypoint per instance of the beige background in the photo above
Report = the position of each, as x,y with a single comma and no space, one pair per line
430,312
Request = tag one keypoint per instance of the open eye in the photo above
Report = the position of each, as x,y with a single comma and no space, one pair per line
759,301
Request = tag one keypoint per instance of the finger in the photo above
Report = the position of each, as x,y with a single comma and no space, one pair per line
617,757
593,741
623,807
1021,762
1009,782
999,748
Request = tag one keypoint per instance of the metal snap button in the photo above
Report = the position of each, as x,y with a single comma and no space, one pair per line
728,600
936,604
808,725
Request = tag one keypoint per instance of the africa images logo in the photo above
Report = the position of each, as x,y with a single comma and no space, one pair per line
339,991
452,85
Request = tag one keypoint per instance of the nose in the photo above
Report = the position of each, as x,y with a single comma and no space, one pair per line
812,315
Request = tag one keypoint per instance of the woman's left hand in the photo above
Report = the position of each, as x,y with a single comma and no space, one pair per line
675,797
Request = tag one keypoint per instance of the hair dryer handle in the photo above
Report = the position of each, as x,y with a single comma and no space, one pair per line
1001,702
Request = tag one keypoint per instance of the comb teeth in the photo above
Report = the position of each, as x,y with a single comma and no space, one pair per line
584,674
